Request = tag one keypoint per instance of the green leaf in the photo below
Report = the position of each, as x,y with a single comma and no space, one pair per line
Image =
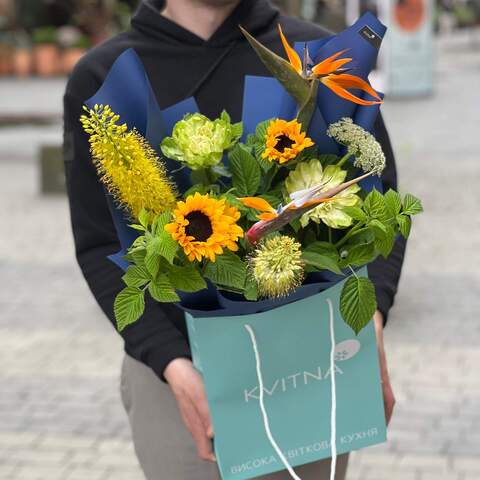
160,221
384,244
186,278
356,213
251,290
261,131
328,159
358,302
379,228
393,202
136,276
200,188
228,270
357,255
143,218
245,171
295,85
221,170
411,205
137,255
162,290
321,262
162,245
404,224
323,248
128,306
374,205
135,226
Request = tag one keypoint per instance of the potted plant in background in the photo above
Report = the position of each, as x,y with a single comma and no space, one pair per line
74,44
22,54
45,51
5,54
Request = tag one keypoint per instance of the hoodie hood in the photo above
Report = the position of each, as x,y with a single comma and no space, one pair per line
254,15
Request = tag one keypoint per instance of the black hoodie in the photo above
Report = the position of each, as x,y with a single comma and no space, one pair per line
179,64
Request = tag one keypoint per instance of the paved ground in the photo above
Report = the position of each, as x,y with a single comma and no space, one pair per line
60,416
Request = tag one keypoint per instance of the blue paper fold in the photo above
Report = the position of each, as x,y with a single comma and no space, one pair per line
127,90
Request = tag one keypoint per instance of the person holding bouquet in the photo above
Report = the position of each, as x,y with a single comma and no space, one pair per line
189,48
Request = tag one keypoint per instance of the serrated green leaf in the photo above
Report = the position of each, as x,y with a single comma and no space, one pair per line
228,270
143,218
384,244
153,257
404,225
186,278
135,226
355,212
358,302
323,248
136,276
158,224
221,170
251,290
137,255
411,205
246,173
128,306
393,202
321,262
379,228
160,246
357,255
374,205
162,290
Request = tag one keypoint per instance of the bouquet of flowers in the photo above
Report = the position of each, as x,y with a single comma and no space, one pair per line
263,215
259,221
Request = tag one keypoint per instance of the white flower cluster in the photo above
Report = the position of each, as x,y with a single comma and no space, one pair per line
368,153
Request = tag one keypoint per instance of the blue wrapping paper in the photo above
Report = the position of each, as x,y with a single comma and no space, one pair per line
127,90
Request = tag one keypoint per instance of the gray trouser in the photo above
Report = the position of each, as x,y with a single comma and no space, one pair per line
163,445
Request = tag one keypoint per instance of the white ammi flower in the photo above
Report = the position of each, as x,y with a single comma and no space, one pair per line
368,153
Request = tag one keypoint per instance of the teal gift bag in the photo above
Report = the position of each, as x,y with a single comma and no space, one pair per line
289,351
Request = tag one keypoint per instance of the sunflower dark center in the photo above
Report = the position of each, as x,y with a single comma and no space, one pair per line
199,226
284,142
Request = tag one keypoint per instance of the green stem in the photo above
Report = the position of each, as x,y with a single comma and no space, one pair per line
342,161
330,235
356,229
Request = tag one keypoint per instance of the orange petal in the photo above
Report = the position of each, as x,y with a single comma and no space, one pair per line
351,81
267,216
291,53
341,92
257,203
322,68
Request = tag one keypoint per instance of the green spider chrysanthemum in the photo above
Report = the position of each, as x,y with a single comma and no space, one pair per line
311,173
277,266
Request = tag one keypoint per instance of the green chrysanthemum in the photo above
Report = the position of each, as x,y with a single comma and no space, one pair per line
200,142
311,173
277,266
368,153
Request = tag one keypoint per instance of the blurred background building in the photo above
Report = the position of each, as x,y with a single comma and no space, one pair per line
35,32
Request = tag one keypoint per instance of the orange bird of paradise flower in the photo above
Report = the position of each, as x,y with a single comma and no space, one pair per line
331,73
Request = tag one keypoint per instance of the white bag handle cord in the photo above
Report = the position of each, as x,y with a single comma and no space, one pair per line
266,422
333,412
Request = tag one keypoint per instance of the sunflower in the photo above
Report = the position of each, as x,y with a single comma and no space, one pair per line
203,226
285,140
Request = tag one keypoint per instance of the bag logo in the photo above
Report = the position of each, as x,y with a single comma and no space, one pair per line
344,351
370,36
